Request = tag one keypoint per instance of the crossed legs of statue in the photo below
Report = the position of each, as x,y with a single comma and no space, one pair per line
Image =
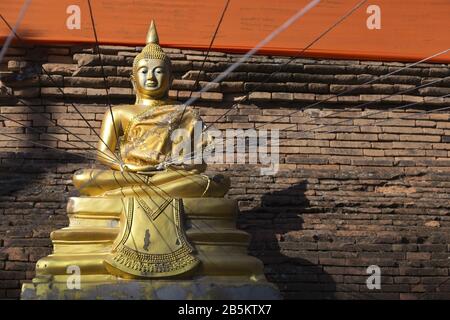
172,183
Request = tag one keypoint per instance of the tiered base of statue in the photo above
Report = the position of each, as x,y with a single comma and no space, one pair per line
106,252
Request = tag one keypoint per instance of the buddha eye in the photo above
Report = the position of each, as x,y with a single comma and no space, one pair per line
159,70
144,70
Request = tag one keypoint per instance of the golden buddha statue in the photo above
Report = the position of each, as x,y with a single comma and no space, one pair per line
145,219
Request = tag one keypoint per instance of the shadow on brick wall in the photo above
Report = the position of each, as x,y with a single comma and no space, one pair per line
33,195
277,239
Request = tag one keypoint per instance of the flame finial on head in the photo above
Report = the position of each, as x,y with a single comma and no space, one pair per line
152,50
152,34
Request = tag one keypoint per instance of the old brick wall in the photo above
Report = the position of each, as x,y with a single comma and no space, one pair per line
347,196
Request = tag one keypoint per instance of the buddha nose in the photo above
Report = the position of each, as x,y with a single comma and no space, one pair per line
151,76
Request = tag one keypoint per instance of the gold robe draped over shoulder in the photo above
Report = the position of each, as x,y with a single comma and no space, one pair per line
147,139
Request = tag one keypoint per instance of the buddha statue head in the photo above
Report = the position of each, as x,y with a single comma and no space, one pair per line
152,70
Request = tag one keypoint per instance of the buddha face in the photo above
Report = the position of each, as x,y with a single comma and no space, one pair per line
152,79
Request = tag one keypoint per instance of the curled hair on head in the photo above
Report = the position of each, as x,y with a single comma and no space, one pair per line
151,51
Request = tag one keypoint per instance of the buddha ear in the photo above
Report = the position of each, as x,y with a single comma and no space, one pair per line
133,81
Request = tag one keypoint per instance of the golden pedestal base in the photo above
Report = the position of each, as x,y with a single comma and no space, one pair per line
209,224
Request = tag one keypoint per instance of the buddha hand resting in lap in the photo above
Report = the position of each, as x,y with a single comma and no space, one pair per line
143,134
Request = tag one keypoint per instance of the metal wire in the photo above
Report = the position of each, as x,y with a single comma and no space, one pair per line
364,104
280,68
8,40
118,156
300,13
60,90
